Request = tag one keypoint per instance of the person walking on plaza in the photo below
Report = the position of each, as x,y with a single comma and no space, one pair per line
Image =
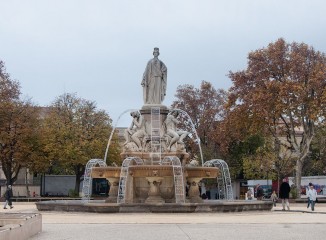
284,194
307,189
8,196
249,194
274,198
259,192
312,196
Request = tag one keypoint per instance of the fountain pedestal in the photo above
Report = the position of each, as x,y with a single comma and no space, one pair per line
151,183
154,193
193,192
114,187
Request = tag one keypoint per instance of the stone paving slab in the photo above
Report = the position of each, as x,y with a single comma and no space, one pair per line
182,232
19,226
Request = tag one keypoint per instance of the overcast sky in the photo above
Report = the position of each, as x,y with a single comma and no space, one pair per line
99,48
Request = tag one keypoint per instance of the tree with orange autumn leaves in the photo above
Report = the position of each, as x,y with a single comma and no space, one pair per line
75,131
57,139
282,94
19,128
205,108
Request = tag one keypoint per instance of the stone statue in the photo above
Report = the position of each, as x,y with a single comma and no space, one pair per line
154,80
171,129
131,130
136,131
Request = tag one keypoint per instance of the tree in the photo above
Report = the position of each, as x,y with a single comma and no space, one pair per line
317,156
260,165
19,126
283,92
76,131
238,151
9,89
243,143
205,108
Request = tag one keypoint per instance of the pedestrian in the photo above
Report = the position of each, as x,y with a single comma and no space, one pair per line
259,192
284,194
274,198
307,189
312,196
8,196
202,188
249,194
204,196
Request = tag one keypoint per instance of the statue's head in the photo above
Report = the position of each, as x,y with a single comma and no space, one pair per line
156,51
135,114
174,113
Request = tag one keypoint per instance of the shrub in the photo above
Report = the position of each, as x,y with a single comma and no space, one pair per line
293,192
73,193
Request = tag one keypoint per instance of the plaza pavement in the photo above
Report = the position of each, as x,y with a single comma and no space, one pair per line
299,223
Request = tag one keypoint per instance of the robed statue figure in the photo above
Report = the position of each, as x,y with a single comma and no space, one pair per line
154,80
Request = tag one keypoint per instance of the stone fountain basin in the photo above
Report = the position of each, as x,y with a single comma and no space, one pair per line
106,172
146,156
202,172
141,175
154,171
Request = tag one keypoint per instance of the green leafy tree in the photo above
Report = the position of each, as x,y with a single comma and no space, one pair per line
240,150
317,164
260,165
76,131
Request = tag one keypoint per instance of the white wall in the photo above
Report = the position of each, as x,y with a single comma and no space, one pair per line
21,191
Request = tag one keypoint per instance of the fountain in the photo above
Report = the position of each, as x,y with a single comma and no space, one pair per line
156,173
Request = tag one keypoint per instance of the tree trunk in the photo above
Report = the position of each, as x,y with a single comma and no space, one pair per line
298,175
11,175
77,183
79,171
278,183
27,184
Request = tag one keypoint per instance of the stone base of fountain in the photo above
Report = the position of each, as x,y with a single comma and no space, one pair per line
154,183
206,206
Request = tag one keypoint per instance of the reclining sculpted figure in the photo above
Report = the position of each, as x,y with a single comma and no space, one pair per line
136,131
177,136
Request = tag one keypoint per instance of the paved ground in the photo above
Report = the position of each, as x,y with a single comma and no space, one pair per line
299,223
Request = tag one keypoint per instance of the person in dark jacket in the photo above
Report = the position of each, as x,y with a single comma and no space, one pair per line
259,192
284,194
8,196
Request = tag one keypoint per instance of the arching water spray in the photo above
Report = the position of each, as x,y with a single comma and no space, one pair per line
194,130
112,132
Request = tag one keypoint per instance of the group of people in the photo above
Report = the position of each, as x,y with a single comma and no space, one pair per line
284,194
285,191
